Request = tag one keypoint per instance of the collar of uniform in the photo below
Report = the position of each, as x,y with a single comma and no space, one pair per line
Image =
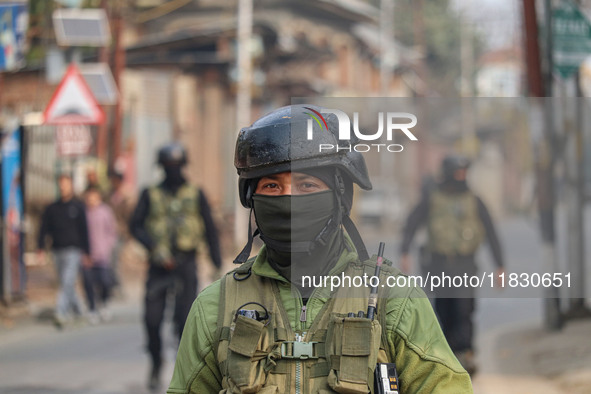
261,266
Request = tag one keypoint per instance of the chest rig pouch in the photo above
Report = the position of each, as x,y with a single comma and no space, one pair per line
338,353
248,347
352,345
252,349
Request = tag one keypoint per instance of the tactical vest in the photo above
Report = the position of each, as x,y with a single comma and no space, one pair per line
174,221
454,225
335,354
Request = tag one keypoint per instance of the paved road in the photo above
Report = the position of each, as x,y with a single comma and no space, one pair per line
109,358
103,359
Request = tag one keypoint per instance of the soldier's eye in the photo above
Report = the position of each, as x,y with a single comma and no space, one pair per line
309,187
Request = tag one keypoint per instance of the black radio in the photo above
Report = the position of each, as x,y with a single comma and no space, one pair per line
386,379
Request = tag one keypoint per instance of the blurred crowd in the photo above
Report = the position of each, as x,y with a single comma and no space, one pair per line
87,233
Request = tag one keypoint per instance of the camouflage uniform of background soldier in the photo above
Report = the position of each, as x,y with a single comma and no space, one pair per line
169,220
457,222
258,329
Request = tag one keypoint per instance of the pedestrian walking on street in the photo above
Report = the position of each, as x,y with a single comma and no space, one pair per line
64,222
457,222
170,220
97,272
262,329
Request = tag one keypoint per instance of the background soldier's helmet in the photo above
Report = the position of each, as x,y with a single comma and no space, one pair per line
172,154
451,163
278,142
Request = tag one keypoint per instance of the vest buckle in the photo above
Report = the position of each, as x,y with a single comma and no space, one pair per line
299,350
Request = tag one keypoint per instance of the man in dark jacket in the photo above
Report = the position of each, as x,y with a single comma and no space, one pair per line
457,222
170,220
64,221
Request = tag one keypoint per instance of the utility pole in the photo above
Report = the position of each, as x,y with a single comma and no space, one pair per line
467,56
109,134
118,67
421,79
540,85
386,26
419,27
386,42
102,130
574,200
467,85
574,196
243,100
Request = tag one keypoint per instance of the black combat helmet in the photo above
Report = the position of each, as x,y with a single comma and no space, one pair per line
279,142
172,154
451,163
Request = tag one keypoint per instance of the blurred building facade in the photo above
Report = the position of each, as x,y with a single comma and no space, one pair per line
179,82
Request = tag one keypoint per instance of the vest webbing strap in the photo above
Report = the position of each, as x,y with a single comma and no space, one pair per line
220,321
282,367
280,334
319,335
245,252
224,334
381,313
356,238
319,369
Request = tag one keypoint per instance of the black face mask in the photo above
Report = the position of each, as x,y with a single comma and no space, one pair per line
174,176
302,232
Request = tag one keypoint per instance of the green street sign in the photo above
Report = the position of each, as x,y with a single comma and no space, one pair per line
571,35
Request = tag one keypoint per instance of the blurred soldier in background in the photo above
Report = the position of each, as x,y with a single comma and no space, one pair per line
457,222
64,221
169,220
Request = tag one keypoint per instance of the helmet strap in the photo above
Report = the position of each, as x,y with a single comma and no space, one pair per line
245,253
346,220
356,238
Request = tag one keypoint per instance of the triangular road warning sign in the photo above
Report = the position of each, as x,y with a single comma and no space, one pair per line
73,102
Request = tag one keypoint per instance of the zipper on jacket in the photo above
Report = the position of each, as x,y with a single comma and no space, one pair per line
298,369
298,380
303,315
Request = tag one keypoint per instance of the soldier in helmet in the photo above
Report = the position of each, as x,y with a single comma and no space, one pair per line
170,220
261,328
457,222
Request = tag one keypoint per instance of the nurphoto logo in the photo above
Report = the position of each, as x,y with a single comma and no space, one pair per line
394,121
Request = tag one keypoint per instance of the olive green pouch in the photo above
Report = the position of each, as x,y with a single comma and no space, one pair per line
245,338
246,349
352,346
